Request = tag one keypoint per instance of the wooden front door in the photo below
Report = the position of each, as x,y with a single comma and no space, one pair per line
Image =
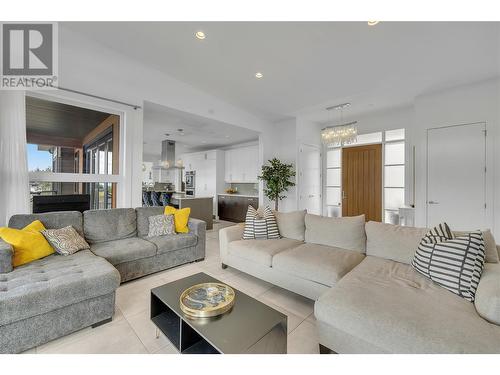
362,181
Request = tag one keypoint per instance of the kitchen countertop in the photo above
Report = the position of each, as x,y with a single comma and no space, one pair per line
240,195
186,198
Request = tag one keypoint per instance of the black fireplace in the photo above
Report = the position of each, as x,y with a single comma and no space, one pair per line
71,202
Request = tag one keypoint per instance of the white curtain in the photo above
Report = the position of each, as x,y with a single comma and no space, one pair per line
14,179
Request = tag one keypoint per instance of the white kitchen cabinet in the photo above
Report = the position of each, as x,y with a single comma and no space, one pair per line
242,165
228,155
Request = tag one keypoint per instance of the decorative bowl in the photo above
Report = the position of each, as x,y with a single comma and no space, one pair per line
207,300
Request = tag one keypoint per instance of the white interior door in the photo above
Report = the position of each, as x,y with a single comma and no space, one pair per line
310,179
456,176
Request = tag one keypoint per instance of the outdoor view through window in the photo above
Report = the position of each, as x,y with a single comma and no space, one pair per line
68,139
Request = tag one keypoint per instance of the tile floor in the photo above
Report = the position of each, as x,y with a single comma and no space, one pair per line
131,330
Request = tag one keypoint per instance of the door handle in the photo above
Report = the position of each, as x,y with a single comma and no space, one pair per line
432,202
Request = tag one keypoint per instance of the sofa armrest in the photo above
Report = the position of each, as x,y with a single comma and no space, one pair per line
6,254
487,300
229,234
199,228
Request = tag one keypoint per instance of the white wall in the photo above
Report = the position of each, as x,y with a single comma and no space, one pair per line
475,102
280,142
478,102
308,132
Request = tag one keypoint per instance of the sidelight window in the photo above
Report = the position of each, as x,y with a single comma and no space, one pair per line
394,174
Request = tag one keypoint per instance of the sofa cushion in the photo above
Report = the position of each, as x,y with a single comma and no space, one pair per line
109,225
173,242
54,282
50,220
393,308
65,241
143,214
125,250
291,224
487,300
181,218
6,254
318,263
393,242
260,251
28,243
344,232
161,225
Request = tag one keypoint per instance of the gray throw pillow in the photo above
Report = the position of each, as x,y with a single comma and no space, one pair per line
65,241
161,225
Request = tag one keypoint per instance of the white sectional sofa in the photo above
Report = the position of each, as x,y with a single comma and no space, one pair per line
307,262
368,297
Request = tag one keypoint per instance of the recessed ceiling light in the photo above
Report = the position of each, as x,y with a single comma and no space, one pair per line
203,141
200,35
227,136
372,23
259,75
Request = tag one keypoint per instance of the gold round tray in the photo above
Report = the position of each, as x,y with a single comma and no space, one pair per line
207,300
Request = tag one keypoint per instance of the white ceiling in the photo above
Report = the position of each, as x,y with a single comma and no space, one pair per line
309,65
198,133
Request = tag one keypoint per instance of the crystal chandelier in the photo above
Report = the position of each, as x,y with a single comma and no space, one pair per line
339,135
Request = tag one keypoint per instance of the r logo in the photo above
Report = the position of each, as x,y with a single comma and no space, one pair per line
27,49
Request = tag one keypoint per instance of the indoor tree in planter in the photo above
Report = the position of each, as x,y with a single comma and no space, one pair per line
277,177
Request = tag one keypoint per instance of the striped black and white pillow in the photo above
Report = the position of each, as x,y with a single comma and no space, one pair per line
259,226
454,263
439,233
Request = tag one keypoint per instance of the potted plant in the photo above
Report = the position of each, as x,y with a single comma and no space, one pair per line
277,177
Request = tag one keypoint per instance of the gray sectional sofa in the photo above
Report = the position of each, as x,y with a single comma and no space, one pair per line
368,297
57,295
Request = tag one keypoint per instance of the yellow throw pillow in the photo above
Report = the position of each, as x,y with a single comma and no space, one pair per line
28,243
181,218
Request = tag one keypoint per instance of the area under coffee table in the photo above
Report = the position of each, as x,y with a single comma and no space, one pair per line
249,327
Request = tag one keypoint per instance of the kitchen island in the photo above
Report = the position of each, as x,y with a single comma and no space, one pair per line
201,208
233,207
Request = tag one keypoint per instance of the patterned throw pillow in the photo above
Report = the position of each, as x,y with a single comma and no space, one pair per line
65,241
440,232
260,226
161,225
453,263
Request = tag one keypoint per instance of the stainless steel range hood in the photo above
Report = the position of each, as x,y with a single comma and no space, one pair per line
168,156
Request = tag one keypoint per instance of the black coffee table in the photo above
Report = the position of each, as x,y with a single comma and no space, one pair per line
249,327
